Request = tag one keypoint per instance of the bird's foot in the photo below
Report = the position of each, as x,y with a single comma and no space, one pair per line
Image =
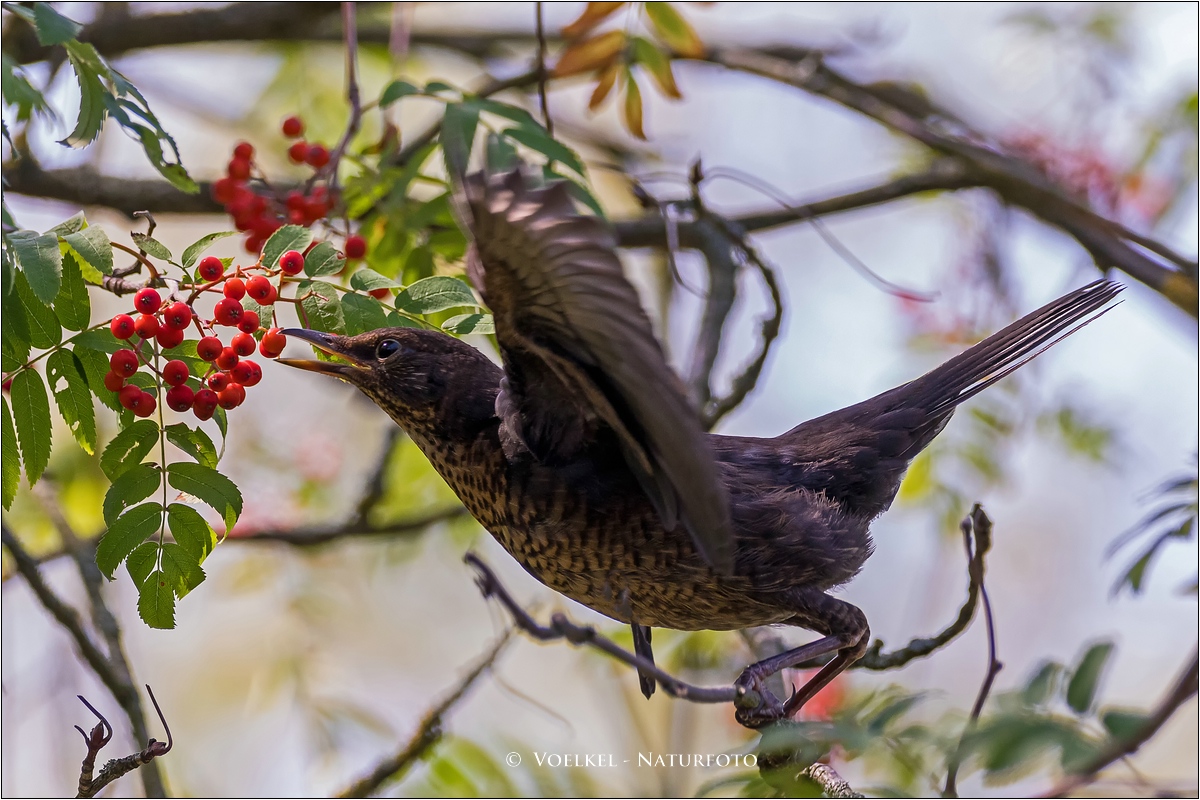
755,706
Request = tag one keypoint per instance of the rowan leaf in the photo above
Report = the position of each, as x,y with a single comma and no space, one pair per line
31,413
324,259
606,79
367,280
10,459
191,253
45,330
95,366
658,64
191,531
156,601
125,534
1081,691
181,568
195,442
362,313
436,293
93,246
128,448
141,562
210,487
469,323
41,262
69,385
152,246
396,90
458,135
90,71
289,237
320,304
131,488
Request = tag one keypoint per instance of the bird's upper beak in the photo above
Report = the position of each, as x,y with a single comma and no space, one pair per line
328,343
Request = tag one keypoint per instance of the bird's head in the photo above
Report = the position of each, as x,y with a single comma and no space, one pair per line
419,377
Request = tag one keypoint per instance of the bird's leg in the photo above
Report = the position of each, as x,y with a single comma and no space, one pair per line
641,646
846,633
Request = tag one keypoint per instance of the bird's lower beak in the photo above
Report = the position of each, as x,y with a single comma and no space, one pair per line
325,342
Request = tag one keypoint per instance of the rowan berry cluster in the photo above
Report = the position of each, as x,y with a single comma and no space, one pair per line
229,372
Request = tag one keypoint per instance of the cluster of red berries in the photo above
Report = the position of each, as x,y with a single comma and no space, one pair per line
259,215
224,383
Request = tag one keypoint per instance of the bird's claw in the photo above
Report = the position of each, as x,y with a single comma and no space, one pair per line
755,706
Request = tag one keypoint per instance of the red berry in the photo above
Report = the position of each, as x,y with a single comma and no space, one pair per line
234,289
218,381
380,294
147,300
246,373
292,262
228,312
175,372
122,326
243,345
211,268
261,290
317,156
146,326
243,150
254,244
113,382
316,209
293,127
231,396
145,405
228,358
169,337
297,216
272,343
298,152
209,348
295,201
177,315
204,404
180,398
124,363
224,190
239,169
356,247
130,396
249,322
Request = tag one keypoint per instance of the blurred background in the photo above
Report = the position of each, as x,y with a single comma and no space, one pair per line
294,669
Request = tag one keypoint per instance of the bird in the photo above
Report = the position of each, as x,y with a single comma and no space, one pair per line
582,455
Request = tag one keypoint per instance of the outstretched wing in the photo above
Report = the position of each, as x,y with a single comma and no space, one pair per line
581,362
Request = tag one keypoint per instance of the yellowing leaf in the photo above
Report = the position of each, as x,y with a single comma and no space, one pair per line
590,54
607,79
632,110
658,64
674,31
593,15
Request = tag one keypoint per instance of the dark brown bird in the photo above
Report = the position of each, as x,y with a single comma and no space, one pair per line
583,457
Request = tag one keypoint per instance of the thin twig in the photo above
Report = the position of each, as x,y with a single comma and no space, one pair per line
543,77
350,32
118,767
977,532
429,732
832,784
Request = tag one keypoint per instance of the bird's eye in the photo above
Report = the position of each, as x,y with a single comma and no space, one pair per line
387,347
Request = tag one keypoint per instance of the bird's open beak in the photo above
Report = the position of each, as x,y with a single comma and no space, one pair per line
328,343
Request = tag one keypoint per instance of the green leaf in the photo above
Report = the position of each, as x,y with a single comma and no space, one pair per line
324,259
100,340
41,261
210,487
10,459
52,27
92,245
195,442
362,314
73,306
1081,691
128,448
181,568
90,72
31,412
395,90
191,531
289,237
191,253
156,601
131,488
45,330
321,306
141,562
436,293
675,31
469,323
458,135
126,533
1123,724
367,280
501,155
1043,685
68,383
72,224
15,327
436,87
538,140
151,246
95,366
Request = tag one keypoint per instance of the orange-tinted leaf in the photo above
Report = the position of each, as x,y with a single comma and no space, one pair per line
658,64
675,31
607,79
595,53
632,110
593,15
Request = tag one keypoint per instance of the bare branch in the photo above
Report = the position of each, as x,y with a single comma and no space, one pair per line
832,784
117,767
311,537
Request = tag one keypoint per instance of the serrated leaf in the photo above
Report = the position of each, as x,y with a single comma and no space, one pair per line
156,601
631,110
469,323
1081,691
15,327
151,246
537,139
69,385
45,331
131,488
195,442
675,31
73,307
93,246
458,135
125,534
31,413
191,531
395,90
436,293
191,253
210,487
72,224
367,280
181,568
10,459
52,27
128,448
289,237
362,314
95,366
324,259
141,562
100,340
586,55
321,306
89,72
41,262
